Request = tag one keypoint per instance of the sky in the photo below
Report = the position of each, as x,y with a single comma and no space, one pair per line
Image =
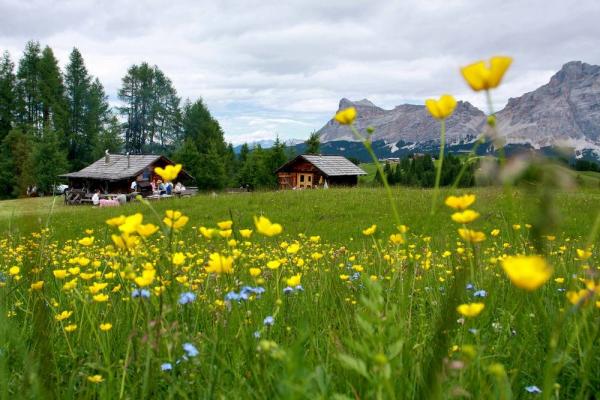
280,67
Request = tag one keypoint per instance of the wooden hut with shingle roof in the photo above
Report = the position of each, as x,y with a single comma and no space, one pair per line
114,173
310,171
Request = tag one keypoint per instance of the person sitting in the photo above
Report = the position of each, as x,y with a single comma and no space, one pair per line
121,198
161,188
179,188
133,186
169,188
96,197
154,187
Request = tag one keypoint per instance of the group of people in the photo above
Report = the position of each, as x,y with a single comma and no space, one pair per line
160,188
118,200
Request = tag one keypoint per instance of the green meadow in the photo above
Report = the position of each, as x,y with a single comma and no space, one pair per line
320,311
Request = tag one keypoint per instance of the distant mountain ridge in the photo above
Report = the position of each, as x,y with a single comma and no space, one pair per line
565,111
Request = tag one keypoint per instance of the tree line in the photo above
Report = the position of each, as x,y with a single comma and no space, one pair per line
420,170
55,120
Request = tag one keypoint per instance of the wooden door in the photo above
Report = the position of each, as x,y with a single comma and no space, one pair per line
305,180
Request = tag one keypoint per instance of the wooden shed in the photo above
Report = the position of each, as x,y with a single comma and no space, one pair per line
114,173
310,171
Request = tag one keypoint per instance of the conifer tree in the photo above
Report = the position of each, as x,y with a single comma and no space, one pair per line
7,95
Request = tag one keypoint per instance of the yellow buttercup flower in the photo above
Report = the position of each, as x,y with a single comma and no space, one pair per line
97,287
220,264
580,296
485,76
495,232
442,108
146,279
465,217
460,202
370,230
583,254
86,241
175,219
71,328
470,309
63,315
266,227
396,238
294,280
293,248
206,232
106,326
346,116
254,272
246,233
100,298
37,285
226,233
225,225
95,378
168,173
527,272
178,258
146,230
116,221
471,236
125,241
274,264
59,273
14,271
131,223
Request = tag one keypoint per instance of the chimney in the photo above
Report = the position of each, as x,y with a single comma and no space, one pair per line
128,161
106,157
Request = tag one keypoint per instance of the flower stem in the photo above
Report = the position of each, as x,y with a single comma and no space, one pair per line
438,174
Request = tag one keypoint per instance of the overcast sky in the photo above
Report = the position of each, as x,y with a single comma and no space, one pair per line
280,67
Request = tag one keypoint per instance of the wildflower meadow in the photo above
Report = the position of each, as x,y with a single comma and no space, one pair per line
366,293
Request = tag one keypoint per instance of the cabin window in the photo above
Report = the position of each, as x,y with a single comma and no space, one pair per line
302,178
309,178
146,175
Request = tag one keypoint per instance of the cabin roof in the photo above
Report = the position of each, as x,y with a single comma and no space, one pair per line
328,165
116,168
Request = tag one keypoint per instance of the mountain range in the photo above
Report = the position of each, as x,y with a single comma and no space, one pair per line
564,112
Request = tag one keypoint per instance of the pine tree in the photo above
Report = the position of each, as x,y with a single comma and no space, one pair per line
48,161
77,85
8,96
109,138
29,108
15,164
52,93
313,144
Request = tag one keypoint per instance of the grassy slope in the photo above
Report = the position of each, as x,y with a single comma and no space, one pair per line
336,214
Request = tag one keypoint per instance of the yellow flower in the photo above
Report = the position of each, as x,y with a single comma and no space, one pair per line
168,173
226,233
178,258
470,309
583,254
472,236
370,230
147,277
106,326
442,108
495,232
294,280
146,230
581,296
465,217
63,315
396,238
315,239
344,277
116,221
97,287
265,227
274,264
220,264
316,256
95,378
86,241
125,241
527,272
225,225
346,116
100,298
255,272
293,248
516,227
60,273
70,328
175,220
14,270
246,233
207,233
485,76
37,285
460,202
131,223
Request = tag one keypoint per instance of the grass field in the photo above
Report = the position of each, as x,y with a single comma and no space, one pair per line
321,310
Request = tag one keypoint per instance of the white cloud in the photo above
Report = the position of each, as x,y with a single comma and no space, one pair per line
270,67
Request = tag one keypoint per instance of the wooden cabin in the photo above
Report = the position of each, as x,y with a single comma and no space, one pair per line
312,171
114,173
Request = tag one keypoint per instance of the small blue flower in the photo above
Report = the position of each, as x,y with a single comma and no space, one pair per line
268,321
288,290
473,331
470,286
143,293
256,335
190,350
480,293
355,276
533,389
186,298
299,288
232,296
166,367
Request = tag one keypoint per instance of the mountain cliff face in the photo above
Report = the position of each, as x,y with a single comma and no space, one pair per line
566,111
